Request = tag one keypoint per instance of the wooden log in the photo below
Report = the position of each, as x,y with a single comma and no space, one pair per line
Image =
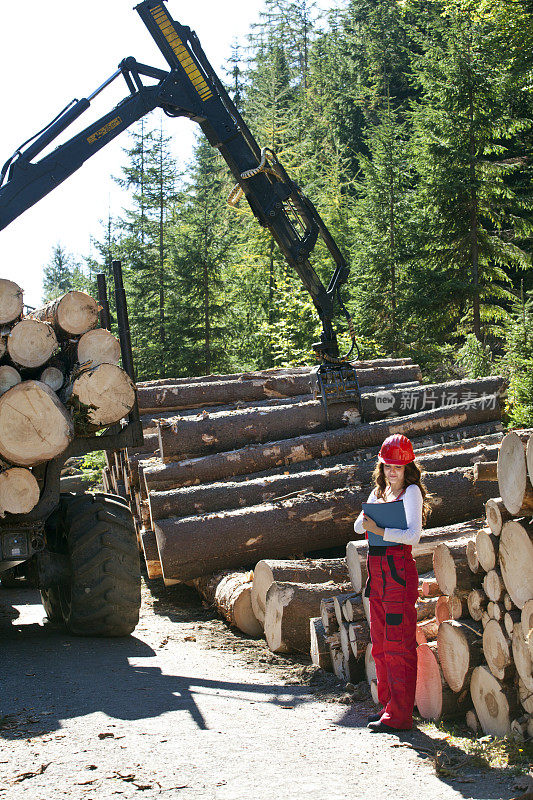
427,630
338,603
529,458
327,615
319,649
471,557
9,377
460,649
359,638
307,570
522,657
496,611
449,607
353,608
151,554
98,346
493,585
11,301
19,491
477,603
430,587
484,619
496,514
525,696
516,560
230,593
519,730
487,545
507,602
515,487
34,426
72,314
497,650
485,471
434,698
472,721
426,607
527,617
495,702
289,606
100,396
451,567
31,343
356,551
222,392
510,619
53,377
370,664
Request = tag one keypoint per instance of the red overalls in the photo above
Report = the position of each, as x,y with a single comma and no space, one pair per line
392,588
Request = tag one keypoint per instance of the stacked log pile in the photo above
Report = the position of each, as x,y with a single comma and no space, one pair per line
237,468
48,394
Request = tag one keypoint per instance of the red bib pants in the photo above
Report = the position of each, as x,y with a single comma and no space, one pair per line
392,588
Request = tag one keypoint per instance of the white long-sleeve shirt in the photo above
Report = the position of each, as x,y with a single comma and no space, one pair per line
412,501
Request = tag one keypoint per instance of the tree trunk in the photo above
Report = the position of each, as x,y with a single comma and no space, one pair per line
9,377
319,648
356,551
451,567
434,699
516,559
31,343
73,314
289,606
497,650
308,570
495,703
19,491
34,425
496,514
98,346
515,487
486,471
221,392
460,648
11,301
100,396
230,593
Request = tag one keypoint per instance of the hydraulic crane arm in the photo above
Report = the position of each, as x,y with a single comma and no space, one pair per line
191,89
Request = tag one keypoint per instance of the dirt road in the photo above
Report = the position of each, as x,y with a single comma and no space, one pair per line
186,709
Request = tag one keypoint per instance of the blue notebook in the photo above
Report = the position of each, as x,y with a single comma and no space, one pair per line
386,515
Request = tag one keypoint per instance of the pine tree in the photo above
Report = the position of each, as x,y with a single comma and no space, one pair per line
62,274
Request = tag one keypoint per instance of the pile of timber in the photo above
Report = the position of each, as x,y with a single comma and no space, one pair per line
59,378
237,468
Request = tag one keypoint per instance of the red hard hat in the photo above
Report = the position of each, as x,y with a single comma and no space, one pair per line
396,449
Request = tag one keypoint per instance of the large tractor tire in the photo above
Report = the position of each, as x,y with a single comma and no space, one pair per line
103,594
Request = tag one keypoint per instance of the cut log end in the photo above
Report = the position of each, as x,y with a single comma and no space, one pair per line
11,301
31,343
101,396
98,346
19,491
495,703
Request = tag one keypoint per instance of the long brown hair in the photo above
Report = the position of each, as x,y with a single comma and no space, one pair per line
412,475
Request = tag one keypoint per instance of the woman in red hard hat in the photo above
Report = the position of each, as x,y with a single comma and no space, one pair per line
392,585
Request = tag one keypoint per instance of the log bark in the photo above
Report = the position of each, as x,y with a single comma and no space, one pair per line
496,514
34,426
307,570
151,554
487,545
319,649
19,491
11,301
522,657
289,607
9,377
356,551
495,702
485,471
460,649
244,536
477,604
199,395
31,343
426,607
230,593
98,346
451,567
515,487
327,615
160,476
434,698
72,314
516,560
497,650
100,396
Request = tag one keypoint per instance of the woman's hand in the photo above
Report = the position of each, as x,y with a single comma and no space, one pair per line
371,526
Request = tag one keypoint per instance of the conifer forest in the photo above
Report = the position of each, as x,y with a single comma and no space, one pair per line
409,125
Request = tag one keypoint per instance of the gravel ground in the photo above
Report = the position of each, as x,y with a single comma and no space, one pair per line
185,708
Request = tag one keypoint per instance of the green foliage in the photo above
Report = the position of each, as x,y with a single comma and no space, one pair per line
475,358
517,363
62,274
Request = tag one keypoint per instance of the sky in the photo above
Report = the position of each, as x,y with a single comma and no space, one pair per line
60,50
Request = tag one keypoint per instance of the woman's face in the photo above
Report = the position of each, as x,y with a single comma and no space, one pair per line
394,475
